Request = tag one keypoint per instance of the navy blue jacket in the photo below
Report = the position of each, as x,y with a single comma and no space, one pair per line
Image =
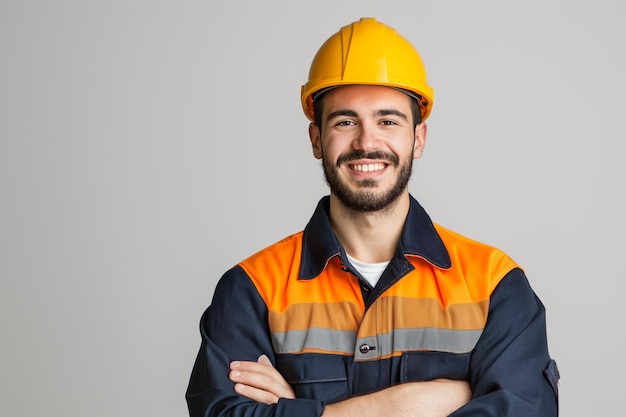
445,307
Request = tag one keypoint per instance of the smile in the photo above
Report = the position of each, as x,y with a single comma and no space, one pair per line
368,167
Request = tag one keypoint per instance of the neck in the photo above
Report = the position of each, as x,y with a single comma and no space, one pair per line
369,236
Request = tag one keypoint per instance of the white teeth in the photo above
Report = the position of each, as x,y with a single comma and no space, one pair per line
368,167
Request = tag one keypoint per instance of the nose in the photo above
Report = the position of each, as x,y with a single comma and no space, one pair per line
367,139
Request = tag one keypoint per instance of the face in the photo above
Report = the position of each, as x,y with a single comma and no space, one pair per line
367,145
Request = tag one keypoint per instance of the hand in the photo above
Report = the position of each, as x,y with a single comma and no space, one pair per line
259,381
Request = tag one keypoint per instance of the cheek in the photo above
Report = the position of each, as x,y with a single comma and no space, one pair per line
404,150
332,148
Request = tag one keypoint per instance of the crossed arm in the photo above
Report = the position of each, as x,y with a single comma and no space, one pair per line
261,382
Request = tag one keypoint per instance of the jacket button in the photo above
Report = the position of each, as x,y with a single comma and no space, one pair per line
365,348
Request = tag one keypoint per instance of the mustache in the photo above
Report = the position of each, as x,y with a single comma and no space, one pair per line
378,155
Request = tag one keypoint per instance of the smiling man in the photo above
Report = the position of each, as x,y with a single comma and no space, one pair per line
375,141
372,310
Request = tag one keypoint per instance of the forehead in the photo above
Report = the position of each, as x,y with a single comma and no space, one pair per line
366,97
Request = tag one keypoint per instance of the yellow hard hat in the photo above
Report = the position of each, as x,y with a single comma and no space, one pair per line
367,52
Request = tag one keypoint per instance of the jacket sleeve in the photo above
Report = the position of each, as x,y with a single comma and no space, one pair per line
234,327
511,372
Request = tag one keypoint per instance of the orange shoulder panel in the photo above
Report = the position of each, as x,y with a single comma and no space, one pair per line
274,272
486,264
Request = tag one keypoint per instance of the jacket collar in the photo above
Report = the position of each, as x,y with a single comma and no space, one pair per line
319,243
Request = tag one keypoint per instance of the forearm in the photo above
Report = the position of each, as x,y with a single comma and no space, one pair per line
437,398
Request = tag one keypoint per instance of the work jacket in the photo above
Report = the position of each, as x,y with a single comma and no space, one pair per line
445,307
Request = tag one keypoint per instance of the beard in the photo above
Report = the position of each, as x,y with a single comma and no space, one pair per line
365,199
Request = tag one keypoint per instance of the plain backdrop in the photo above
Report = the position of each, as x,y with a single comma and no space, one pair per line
148,146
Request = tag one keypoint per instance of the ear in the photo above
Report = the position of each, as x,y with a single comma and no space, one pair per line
420,140
316,140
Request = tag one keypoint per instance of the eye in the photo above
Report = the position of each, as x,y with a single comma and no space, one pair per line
388,122
345,123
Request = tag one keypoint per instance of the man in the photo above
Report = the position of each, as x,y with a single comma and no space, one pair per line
372,310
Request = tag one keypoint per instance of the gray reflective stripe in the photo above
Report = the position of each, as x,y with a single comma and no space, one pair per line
400,340
293,341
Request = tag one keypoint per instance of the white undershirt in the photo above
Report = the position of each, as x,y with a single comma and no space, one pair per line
370,271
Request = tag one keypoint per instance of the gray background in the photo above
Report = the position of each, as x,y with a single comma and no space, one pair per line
147,146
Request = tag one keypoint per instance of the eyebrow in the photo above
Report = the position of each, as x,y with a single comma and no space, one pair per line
342,112
382,112
392,112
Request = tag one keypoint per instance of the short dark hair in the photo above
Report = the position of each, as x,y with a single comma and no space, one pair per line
318,110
